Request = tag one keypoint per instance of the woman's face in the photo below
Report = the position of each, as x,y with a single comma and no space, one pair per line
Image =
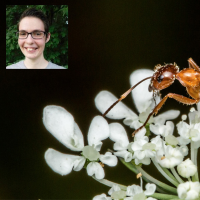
32,48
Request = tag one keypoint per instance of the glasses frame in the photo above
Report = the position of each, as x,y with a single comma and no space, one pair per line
45,33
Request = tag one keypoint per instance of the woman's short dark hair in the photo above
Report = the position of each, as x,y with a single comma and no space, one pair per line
32,12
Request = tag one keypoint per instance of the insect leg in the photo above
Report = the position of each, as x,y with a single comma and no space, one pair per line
193,65
177,97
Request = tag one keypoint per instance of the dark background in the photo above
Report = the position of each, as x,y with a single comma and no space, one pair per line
108,40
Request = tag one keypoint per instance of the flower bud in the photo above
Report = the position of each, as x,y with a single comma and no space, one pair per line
188,190
187,168
171,140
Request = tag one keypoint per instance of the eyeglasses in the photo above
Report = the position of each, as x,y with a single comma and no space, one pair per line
34,34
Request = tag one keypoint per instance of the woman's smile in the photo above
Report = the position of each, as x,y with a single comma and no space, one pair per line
31,49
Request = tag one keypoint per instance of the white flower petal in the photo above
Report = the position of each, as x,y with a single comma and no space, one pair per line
127,156
133,190
139,155
118,195
171,140
163,130
168,115
138,144
183,141
189,131
183,129
79,163
118,146
150,198
60,123
96,169
135,124
109,159
140,135
114,188
129,120
188,190
173,157
144,115
105,99
194,117
145,161
98,131
184,150
150,189
155,129
59,162
142,99
118,134
169,128
158,142
195,133
102,197
98,145
78,138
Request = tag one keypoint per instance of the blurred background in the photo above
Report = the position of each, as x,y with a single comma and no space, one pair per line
108,40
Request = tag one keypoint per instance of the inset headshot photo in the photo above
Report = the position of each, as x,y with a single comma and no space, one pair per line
36,37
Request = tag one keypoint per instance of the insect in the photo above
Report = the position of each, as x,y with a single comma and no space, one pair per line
163,77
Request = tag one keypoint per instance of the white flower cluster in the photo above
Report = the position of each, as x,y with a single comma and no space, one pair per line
62,126
166,151
133,192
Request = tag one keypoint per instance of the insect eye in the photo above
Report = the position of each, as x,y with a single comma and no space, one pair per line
160,78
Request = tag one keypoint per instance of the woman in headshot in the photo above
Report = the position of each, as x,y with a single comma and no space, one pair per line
33,34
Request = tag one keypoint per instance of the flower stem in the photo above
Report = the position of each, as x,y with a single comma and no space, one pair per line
162,187
159,183
169,174
176,175
109,183
163,196
160,169
194,153
132,167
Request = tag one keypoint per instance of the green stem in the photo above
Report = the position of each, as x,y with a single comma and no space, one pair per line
169,174
163,196
196,174
165,174
132,167
176,175
136,169
109,183
159,183
194,153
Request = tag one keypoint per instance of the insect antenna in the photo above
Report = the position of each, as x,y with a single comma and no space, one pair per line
123,96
